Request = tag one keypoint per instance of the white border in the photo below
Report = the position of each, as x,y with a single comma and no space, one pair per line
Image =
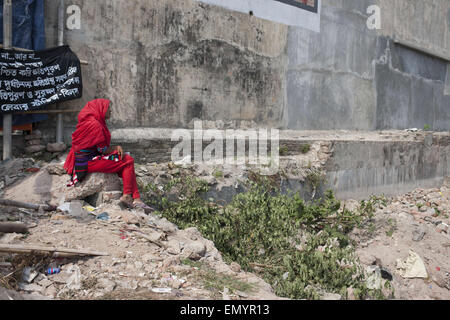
274,11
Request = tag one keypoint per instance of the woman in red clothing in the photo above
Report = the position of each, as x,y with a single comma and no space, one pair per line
91,152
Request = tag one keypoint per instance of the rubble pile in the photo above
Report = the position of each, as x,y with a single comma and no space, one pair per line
148,257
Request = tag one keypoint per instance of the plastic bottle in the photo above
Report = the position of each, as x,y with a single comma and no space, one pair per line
53,270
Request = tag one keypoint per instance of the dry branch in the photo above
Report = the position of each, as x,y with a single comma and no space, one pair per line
16,248
11,227
13,203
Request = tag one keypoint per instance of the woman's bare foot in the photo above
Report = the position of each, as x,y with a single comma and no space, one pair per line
127,200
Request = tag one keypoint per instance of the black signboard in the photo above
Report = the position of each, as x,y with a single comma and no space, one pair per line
36,79
310,5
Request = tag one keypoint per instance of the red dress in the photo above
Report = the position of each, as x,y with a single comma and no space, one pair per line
89,142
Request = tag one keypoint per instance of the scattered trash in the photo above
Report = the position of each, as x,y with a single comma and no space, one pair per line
74,281
162,290
103,216
373,281
76,209
28,274
53,271
438,269
385,274
31,170
413,267
122,235
89,208
64,207
412,130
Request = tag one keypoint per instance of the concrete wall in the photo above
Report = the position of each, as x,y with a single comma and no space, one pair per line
358,170
350,77
164,63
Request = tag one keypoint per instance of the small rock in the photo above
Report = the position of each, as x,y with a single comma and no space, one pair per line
130,218
235,267
442,228
106,284
33,142
194,250
351,294
418,234
50,291
34,149
176,284
10,180
56,169
30,287
331,296
174,247
56,147
37,134
172,261
45,283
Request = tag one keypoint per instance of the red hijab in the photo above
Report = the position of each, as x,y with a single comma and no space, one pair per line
91,130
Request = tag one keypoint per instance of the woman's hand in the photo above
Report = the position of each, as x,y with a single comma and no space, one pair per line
119,151
115,148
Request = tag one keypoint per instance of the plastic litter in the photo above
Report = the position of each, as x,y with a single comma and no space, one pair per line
28,274
53,271
385,274
89,208
373,281
413,267
103,216
162,290
64,207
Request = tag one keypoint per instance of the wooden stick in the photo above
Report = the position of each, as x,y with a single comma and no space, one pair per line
11,227
17,248
13,203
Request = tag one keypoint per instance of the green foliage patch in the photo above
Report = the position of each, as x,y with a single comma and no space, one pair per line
301,248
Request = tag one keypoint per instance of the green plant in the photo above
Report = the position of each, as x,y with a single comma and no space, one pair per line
214,281
392,227
283,151
426,127
304,148
218,174
299,247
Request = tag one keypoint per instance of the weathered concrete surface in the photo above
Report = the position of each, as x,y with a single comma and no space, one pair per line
166,63
350,77
359,170
359,164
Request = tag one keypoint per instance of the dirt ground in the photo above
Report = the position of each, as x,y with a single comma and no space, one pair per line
150,258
